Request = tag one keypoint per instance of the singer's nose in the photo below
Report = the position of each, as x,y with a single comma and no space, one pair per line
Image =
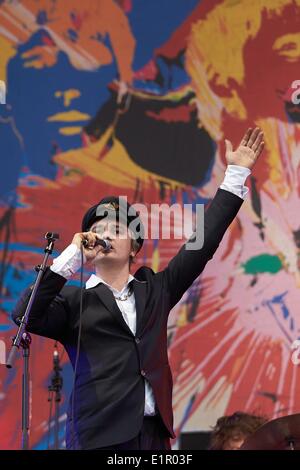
107,234
108,231
111,231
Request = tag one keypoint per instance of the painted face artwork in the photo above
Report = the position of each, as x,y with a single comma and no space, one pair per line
213,69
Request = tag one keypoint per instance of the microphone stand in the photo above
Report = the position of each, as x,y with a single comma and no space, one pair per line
56,386
23,339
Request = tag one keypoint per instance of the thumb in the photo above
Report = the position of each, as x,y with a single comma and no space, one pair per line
228,146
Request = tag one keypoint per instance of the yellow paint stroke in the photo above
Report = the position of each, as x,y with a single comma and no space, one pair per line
288,46
68,95
175,96
155,260
115,166
7,51
69,116
70,130
182,315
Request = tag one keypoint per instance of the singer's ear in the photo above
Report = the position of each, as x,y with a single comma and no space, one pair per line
134,250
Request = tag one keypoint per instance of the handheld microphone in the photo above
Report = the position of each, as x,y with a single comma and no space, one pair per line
102,242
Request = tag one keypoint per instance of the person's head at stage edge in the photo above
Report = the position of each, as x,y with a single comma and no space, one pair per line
115,220
230,432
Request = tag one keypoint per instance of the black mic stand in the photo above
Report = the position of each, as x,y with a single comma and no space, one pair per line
56,386
23,339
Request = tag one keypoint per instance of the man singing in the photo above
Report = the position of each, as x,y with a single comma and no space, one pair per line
115,330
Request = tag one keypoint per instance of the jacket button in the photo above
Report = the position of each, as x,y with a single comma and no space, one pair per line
143,373
137,340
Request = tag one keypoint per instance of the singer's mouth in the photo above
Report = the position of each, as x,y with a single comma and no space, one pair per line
107,250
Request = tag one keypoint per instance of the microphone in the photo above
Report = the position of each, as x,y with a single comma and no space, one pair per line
102,242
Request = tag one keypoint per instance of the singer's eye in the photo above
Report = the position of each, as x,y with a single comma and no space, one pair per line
113,230
98,229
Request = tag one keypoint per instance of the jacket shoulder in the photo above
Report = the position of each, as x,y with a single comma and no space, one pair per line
144,273
69,292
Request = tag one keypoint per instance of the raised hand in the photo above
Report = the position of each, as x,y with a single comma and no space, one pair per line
248,151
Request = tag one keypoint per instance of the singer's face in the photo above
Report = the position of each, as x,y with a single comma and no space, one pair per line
119,237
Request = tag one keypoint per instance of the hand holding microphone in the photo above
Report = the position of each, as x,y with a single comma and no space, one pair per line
92,243
99,241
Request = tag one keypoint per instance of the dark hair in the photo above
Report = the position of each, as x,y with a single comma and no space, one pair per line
239,425
120,211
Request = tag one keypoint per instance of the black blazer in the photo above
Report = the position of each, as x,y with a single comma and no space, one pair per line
109,387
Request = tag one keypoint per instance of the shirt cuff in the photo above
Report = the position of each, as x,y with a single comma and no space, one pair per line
68,262
234,181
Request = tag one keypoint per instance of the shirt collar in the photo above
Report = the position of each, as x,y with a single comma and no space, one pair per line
94,280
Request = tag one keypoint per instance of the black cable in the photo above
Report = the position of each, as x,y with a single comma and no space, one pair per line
78,346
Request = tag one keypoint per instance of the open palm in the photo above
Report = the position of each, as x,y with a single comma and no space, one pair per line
248,151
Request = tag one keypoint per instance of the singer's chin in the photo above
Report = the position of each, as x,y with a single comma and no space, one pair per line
103,255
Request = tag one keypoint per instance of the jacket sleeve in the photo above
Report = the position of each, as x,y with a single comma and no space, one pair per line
50,313
186,266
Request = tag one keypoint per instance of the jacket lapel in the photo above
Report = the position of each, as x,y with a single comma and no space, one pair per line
107,298
139,289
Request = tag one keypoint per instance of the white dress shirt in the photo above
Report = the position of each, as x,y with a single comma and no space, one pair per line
234,181
69,262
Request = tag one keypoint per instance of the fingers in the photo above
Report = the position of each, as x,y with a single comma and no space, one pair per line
256,142
246,137
253,136
259,149
86,238
90,239
248,151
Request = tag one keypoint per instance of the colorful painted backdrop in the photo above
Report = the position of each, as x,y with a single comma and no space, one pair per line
197,71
